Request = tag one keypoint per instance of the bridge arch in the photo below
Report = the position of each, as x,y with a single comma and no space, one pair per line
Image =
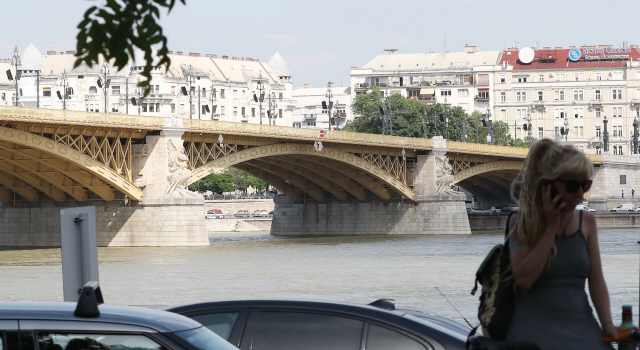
485,168
302,169
33,156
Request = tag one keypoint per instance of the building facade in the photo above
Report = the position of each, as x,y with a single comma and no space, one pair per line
312,107
235,89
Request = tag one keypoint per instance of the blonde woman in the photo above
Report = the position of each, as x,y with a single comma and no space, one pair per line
554,250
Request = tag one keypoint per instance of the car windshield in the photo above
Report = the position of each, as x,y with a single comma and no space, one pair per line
203,338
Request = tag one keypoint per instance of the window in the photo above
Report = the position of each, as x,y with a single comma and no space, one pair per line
144,107
616,94
243,111
558,95
311,124
93,90
220,323
598,75
297,330
244,96
617,130
522,79
540,133
235,111
151,107
521,113
115,107
598,150
115,90
598,132
578,112
193,109
561,76
462,92
578,131
503,78
173,108
379,338
578,95
503,97
96,341
618,150
541,78
223,110
617,75
578,76
597,95
253,112
445,92
280,96
598,112
173,90
297,125
521,96
45,92
222,93
558,113
483,94
235,93
616,112
540,94
503,114
279,113
623,178
203,109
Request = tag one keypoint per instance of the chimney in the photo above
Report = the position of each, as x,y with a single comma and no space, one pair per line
169,52
52,53
249,59
214,56
572,47
194,54
471,49
558,47
546,48
225,57
330,84
306,86
179,53
61,53
71,52
390,51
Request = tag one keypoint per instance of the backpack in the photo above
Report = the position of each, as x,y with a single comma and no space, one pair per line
497,296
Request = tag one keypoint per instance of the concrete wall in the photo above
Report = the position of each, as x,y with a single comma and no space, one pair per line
604,220
116,224
438,215
230,207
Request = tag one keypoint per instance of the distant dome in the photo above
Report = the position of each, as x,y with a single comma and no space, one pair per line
31,59
279,66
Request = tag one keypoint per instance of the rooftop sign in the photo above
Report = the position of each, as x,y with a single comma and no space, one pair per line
605,53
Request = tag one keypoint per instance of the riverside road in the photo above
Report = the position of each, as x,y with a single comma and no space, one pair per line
256,265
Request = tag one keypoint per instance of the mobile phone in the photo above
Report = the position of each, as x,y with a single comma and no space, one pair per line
554,192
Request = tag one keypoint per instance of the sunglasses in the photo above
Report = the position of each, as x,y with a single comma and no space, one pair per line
573,185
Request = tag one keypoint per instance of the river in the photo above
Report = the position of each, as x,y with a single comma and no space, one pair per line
349,269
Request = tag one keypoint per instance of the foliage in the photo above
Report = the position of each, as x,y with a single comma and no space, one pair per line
410,118
228,181
116,29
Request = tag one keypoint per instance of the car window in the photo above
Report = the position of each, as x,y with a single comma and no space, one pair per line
305,331
68,341
380,338
204,339
221,323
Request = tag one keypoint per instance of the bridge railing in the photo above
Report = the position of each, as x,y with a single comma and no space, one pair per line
57,115
306,133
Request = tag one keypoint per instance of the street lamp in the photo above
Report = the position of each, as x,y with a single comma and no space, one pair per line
566,129
385,114
635,135
214,99
104,72
261,93
272,108
191,90
446,118
15,61
605,135
527,126
490,124
63,96
328,104
464,130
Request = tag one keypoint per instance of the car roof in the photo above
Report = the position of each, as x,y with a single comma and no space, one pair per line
64,311
380,313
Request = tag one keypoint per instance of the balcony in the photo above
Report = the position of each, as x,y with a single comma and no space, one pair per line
310,117
481,98
596,102
362,86
538,103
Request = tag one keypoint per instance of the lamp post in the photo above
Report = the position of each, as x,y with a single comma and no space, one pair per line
213,100
104,72
261,93
490,123
527,126
464,130
272,108
328,103
191,89
15,61
64,89
446,118
426,125
605,135
635,135
566,130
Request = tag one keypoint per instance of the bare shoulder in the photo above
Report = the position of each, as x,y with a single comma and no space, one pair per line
589,224
513,219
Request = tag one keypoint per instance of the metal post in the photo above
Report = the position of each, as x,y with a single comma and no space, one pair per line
213,98
605,135
446,119
426,128
126,89
329,96
529,126
566,129
199,106
15,61
64,89
464,129
635,135
490,122
190,94
105,71
38,89
260,96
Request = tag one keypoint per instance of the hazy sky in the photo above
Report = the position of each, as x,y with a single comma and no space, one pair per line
321,40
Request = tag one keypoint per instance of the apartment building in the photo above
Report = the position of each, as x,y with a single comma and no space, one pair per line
569,93
311,112
463,79
236,89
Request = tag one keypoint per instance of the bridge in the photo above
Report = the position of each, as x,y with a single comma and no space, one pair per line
136,168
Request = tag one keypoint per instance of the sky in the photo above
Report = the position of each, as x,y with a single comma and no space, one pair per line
322,40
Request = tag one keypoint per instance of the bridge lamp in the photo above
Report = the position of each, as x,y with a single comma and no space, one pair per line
15,61
104,71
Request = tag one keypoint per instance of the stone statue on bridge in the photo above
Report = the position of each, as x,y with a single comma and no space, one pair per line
444,176
179,172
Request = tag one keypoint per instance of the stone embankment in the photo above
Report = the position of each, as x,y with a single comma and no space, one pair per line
496,222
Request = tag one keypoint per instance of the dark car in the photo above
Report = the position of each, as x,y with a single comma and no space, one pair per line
87,325
286,324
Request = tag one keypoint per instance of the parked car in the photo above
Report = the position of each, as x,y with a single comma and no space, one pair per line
511,207
584,207
495,210
287,324
214,214
479,211
623,207
89,324
242,214
271,213
260,213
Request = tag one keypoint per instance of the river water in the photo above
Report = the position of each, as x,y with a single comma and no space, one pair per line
258,266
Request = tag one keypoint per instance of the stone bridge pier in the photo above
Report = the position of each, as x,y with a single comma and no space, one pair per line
436,209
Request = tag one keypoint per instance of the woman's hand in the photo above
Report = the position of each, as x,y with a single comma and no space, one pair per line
551,210
612,332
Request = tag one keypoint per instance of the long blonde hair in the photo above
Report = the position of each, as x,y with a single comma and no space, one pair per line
547,160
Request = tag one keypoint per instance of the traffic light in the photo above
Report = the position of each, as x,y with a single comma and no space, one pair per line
524,126
484,122
562,131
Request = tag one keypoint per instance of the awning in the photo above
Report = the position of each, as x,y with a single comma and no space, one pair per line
427,91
